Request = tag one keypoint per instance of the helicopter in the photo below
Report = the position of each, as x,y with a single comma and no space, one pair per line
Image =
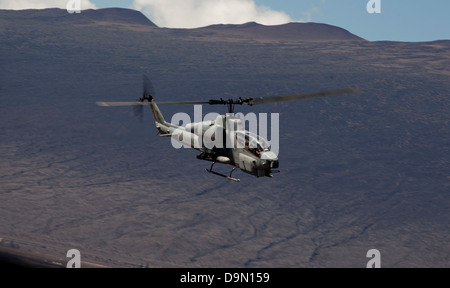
249,152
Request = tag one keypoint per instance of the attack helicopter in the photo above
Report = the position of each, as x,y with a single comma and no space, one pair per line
248,152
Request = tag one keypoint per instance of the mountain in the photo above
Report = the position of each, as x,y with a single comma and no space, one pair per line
91,16
290,31
131,18
358,172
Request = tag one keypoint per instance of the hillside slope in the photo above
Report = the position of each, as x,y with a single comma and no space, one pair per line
358,172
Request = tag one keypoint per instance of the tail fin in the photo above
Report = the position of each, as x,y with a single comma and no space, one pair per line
164,128
159,118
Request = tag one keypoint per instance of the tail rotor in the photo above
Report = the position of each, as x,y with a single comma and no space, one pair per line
147,95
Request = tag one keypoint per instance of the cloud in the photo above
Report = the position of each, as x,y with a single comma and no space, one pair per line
200,13
41,4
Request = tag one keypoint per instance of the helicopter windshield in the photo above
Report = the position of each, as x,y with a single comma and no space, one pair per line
251,141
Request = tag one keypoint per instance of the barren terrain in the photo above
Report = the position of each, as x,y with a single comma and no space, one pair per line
357,172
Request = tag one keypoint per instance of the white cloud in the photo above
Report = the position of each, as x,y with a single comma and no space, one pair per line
200,13
41,4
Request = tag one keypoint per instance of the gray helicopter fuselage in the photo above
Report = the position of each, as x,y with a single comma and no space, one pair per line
223,140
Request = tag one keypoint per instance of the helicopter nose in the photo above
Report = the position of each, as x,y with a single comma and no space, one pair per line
275,164
271,158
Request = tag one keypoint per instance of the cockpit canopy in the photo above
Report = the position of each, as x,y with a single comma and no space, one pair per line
253,142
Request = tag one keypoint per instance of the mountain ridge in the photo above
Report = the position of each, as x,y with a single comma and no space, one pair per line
293,30
251,30
113,15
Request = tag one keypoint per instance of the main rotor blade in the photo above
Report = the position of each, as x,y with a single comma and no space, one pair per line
302,96
249,101
118,104
182,102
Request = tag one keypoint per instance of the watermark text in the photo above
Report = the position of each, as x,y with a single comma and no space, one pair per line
375,261
374,6
73,6
75,262
248,131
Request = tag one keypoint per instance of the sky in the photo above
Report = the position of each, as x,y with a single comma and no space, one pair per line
399,20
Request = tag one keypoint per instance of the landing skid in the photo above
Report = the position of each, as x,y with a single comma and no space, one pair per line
273,171
222,175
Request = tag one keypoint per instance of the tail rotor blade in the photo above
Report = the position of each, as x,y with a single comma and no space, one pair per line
148,91
148,88
138,111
